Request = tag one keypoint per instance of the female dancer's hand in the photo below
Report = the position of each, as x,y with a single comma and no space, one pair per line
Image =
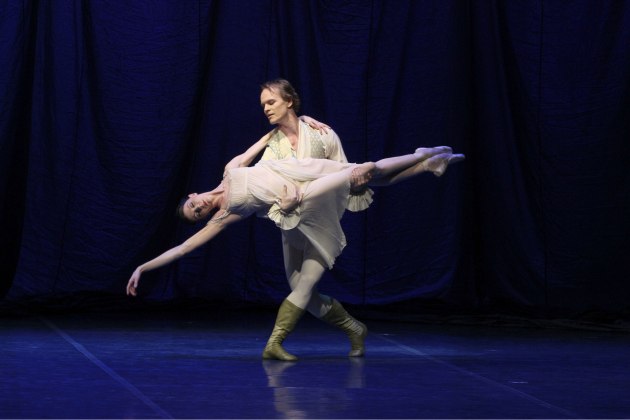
315,125
132,285
289,203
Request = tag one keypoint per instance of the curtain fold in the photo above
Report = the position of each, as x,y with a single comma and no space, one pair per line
110,113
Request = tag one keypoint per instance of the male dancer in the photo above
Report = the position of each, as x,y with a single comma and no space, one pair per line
294,138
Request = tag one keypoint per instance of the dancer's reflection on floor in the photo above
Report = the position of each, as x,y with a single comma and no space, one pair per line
290,384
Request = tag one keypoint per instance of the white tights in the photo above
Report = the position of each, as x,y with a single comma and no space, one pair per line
304,269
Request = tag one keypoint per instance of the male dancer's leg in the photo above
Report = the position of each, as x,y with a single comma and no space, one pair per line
290,310
303,280
303,284
318,304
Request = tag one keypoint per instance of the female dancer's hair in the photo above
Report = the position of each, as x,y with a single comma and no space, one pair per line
179,212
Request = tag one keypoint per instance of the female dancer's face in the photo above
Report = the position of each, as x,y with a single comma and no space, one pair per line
274,107
197,207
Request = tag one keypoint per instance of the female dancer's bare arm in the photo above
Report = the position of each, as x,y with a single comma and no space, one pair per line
244,159
204,235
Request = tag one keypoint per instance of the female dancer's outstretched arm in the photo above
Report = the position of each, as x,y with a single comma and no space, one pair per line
245,158
206,234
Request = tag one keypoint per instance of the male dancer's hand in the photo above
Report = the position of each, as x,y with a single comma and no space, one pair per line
288,203
359,181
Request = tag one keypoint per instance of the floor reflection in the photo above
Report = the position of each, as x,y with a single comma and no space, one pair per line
302,390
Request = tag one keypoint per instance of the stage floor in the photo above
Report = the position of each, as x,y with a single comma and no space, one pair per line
207,365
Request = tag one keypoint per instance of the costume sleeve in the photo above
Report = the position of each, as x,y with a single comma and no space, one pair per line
360,201
334,149
284,220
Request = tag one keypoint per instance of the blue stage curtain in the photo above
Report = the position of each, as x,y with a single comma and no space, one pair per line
110,112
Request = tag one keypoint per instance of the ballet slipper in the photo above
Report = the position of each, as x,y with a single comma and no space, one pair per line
428,152
439,163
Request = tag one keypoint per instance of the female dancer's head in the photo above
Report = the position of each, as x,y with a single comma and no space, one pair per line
196,207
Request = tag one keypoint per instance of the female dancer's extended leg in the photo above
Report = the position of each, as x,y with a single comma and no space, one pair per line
392,170
389,166
435,164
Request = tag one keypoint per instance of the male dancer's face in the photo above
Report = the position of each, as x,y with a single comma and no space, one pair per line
275,108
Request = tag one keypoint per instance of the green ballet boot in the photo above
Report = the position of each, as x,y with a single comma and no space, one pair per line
356,330
288,316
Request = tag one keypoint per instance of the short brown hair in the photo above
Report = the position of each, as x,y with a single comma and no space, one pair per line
287,92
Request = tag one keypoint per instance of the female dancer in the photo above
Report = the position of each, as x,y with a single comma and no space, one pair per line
306,198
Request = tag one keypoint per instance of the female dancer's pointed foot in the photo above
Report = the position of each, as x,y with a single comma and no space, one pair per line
427,152
439,163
